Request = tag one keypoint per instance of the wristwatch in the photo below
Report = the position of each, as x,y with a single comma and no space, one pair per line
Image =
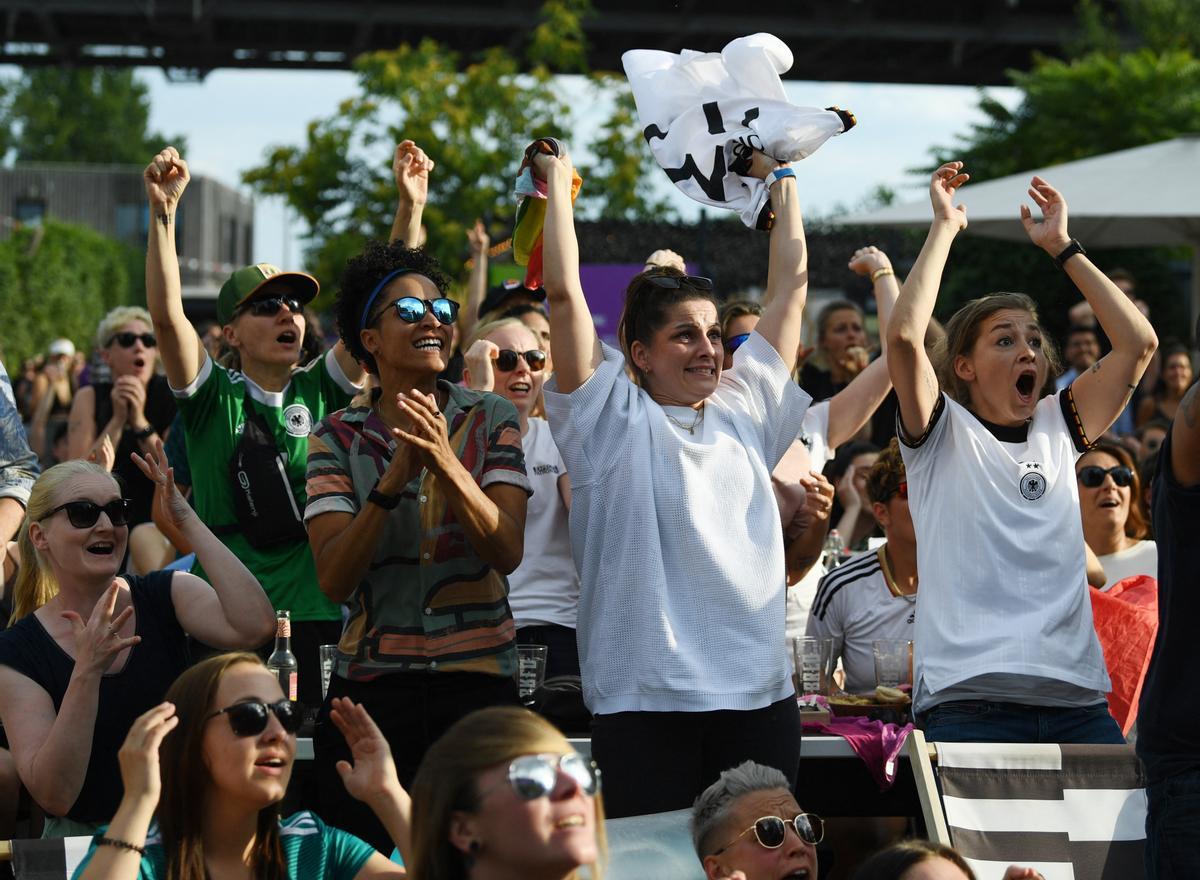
387,502
1069,251
145,434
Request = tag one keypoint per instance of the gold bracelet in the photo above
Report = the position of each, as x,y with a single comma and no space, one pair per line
879,273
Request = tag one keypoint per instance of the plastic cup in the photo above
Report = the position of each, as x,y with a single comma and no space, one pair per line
328,664
813,659
531,669
893,662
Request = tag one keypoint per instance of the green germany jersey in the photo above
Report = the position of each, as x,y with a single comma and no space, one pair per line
212,408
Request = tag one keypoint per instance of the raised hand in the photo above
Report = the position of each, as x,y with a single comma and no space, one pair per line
818,496
103,453
411,167
478,360
854,360
98,642
372,775
1049,233
427,435
477,239
942,187
544,162
166,177
139,753
867,260
156,469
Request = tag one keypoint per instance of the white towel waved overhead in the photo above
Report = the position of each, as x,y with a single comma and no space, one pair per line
699,109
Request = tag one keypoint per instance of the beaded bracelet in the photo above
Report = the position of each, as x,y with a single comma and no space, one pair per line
121,844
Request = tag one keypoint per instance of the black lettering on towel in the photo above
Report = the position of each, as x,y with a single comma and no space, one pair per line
713,186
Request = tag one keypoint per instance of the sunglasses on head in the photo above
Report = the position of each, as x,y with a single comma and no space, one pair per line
674,282
1093,475
412,309
770,831
85,514
535,776
249,718
733,343
269,307
506,361
127,339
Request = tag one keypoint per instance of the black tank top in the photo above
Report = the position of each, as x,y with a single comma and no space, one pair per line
151,667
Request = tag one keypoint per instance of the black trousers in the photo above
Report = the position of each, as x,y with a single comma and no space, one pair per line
562,650
412,710
653,762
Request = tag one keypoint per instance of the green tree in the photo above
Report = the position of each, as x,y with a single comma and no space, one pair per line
474,117
80,114
58,279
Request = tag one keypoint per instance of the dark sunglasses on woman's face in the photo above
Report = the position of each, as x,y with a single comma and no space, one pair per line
269,307
771,831
733,343
85,514
1093,475
127,339
412,309
506,361
674,282
249,718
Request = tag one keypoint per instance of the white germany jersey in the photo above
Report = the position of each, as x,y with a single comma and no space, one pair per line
1000,551
856,604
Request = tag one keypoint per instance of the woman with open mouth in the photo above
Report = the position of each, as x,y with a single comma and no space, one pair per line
674,526
226,741
1010,652
416,513
1114,524
87,651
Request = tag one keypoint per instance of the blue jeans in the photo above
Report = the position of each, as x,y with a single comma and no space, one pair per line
984,721
1173,828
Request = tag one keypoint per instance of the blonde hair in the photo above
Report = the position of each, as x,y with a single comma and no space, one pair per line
962,331
111,323
35,584
446,783
485,330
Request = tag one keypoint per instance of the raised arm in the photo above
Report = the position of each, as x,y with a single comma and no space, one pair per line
909,366
410,168
1185,439
1103,391
477,239
853,406
787,266
165,178
573,340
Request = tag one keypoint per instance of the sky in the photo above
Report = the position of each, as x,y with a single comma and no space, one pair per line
233,116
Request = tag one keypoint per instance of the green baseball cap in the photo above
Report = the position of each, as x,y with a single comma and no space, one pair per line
260,281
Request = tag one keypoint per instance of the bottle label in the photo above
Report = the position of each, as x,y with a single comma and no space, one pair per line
292,685
283,628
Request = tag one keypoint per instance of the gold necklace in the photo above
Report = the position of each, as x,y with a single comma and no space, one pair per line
691,429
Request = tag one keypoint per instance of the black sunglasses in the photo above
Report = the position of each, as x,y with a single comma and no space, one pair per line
733,343
269,307
128,338
674,282
1093,475
250,717
770,831
506,361
412,309
85,514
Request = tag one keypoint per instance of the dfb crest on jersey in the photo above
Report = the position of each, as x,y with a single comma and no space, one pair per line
1033,481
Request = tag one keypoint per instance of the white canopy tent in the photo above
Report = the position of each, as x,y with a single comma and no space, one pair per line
1140,197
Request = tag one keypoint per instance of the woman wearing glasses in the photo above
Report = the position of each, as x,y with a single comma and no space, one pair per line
416,512
88,651
503,794
1114,525
506,358
748,823
674,527
132,408
205,771
262,410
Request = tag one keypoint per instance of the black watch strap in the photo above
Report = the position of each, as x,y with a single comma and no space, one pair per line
1069,251
145,434
387,502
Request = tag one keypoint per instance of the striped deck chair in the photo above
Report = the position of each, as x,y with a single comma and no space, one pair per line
1073,812
49,859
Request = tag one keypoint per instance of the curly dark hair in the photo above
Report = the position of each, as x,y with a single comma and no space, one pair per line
359,278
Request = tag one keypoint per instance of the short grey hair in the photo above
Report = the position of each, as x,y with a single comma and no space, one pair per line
711,810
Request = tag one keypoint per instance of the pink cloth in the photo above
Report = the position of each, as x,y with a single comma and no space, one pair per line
877,743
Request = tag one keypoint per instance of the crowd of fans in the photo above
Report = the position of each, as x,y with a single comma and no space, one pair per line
453,478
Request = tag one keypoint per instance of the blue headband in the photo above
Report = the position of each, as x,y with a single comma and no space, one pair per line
395,273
